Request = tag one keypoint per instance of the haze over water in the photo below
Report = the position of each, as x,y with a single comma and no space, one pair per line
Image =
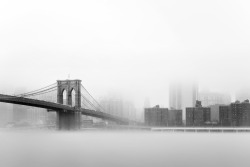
132,49
126,148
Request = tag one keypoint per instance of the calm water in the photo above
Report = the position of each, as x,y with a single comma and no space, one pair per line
126,149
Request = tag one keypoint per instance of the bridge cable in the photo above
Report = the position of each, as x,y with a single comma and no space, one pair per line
41,92
89,102
35,90
93,98
95,107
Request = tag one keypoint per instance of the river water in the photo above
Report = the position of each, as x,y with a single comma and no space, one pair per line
43,148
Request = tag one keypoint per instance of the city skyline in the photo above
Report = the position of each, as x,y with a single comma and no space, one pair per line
207,97
183,95
124,83
135,53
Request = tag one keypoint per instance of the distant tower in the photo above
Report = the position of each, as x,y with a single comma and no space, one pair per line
147,103
243,94
182,95
175,96
19,111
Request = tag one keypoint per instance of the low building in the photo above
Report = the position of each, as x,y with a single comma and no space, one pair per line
174,118
198,115
157,116
245,107
235,114
225,116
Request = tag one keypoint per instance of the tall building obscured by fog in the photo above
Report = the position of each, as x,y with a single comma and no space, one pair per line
242,94
33,115
20,111
5,113
40,116
182,95
146,103
119,107
214,100
208,98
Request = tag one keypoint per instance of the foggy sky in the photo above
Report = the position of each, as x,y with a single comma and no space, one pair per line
132,47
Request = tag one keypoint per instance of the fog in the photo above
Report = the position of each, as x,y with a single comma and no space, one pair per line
143,149
133,48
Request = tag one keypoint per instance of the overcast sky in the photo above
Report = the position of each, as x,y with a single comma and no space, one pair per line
133,47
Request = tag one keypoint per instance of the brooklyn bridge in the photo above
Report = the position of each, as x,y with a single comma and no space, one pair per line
72,101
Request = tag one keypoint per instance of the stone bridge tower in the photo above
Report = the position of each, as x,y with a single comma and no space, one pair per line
68,120
69,86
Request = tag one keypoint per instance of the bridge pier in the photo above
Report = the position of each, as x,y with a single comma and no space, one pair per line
68,120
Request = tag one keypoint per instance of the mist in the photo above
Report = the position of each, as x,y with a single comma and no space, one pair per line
130,51
123,149
132,48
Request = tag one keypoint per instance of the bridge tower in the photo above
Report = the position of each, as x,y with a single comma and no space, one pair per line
69,86
69,120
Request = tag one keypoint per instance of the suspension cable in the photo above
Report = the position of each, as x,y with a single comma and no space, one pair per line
84,105
35,90
91,105
94,107
93,98
41,92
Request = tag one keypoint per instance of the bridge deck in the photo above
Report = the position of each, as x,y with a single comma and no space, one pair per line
59,107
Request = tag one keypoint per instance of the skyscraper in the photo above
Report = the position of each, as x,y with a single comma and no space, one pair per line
182,95
211,98
243,94
20,111
119,107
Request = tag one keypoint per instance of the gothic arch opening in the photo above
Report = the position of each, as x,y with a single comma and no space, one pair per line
64,93
73,97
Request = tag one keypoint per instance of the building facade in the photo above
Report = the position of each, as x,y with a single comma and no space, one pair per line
157,116
198,115
225,115
235,114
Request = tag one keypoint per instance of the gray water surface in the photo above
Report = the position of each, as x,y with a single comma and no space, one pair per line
126,149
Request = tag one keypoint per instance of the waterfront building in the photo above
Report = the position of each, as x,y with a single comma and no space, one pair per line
225,115
198,115
235,114
157,116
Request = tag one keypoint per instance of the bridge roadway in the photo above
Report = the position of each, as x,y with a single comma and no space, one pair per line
60,108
